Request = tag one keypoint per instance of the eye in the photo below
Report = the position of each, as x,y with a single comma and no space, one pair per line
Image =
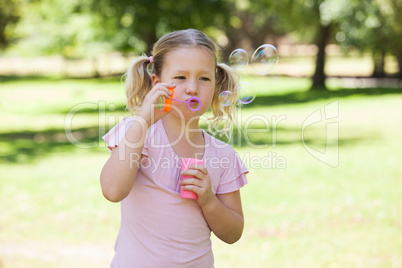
205,79
180,77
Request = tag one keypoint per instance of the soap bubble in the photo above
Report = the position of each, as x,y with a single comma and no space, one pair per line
238,59
245,92
264,59
225,98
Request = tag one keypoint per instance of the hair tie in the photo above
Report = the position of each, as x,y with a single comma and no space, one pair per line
151,59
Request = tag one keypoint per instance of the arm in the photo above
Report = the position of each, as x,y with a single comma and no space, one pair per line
119,172
224,215
222,212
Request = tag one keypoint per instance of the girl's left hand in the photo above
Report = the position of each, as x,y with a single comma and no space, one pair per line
201,184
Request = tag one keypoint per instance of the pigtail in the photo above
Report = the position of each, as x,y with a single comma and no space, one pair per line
226,80
138,83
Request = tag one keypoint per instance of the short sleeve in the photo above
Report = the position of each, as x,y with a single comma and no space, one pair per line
117,133
234,175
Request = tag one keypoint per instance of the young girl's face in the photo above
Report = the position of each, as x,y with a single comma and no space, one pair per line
192,70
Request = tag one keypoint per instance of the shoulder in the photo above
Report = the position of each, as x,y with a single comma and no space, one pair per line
219,147
126,122
117,132
120,129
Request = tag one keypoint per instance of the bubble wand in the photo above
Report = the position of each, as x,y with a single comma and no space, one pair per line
191,101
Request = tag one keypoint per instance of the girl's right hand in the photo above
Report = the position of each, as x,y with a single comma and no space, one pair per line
148,110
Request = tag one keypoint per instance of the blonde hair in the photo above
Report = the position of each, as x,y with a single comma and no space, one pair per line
139,82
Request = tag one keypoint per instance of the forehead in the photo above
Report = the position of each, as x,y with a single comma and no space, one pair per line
190,58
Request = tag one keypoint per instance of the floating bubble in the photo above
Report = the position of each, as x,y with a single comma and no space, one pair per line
238,59
225,98
264,59
245,92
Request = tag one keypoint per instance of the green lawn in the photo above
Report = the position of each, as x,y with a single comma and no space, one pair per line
299,211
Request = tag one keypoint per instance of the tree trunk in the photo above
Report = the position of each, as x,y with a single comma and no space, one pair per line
399,57
234,38
379,62
95,70
319,74
150,39
227,51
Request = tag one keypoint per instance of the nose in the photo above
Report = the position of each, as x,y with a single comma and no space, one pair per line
192,88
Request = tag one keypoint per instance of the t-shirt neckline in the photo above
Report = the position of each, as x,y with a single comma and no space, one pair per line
168,145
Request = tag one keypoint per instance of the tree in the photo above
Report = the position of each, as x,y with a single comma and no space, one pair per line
313,21
10,13
83,28
58,27
248,23
374,26
135,25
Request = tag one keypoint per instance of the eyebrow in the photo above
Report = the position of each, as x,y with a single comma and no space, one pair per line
181,71
186,72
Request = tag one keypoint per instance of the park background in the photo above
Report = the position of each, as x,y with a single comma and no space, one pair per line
61,61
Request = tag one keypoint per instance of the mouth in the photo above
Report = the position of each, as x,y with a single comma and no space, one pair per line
194,103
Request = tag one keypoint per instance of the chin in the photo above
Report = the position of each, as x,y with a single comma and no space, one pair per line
188,116
185,114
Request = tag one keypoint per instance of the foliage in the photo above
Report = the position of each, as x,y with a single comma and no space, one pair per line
51,27
249,24
373,26
76,29
10,12
136,25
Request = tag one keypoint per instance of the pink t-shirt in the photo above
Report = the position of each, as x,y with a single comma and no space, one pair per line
158,228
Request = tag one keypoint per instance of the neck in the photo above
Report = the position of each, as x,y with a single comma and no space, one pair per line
175,126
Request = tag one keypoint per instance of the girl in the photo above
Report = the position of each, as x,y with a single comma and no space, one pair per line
158,228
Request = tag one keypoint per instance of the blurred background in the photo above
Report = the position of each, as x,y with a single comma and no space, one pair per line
60,69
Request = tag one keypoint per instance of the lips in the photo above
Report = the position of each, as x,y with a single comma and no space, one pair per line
191,101
194,104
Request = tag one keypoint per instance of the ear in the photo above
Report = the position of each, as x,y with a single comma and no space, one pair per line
155,79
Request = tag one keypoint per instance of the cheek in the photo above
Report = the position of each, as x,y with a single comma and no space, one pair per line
210,96
207,100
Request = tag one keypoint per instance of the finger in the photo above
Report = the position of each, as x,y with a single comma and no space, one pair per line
164,86
167,85
194,188
190,181
199,167
158,91
193,173
164,93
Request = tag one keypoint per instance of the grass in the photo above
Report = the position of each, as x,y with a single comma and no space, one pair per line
300,212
